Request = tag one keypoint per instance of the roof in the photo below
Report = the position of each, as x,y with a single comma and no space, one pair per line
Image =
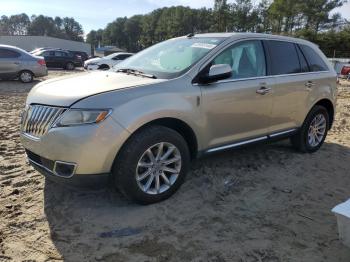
235,35
12,47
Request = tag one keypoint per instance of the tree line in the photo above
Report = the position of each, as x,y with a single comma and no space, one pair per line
309,19
22,24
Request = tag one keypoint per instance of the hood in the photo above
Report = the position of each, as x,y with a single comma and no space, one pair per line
93,60
64,91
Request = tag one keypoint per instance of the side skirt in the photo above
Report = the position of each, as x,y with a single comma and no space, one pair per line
271,137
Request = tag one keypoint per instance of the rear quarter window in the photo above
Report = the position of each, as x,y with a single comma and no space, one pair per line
315,62
283,58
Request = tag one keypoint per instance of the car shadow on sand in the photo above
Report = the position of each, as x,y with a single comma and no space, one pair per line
259,186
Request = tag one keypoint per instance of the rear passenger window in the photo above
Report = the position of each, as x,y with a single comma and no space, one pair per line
315,61
284,58
247,59
6,53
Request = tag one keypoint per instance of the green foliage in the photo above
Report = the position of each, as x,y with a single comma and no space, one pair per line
66,28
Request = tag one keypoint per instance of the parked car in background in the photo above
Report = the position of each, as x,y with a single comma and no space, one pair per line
106,62
18,63
60,59
83,55
142,122
43,49
345,71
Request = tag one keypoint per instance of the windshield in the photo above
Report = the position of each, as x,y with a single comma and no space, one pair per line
111,56
171,58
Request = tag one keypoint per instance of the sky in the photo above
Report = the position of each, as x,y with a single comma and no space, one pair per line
96,14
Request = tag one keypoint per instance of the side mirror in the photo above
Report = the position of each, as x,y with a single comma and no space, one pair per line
217,72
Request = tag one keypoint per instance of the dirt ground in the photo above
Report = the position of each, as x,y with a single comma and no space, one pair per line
262,203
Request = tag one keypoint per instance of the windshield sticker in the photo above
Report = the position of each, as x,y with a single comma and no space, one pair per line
203,45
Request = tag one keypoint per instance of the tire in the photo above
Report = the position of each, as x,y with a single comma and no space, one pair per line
26,76
301,141
70,66
129,165
104,67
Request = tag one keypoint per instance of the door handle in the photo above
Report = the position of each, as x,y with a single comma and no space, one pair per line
16,63
263,90
309,84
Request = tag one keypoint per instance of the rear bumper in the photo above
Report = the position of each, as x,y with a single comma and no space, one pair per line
40,71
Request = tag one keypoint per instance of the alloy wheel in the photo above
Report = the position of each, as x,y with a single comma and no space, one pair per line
158,168
317,130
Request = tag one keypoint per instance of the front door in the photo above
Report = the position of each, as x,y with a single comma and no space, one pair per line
239,108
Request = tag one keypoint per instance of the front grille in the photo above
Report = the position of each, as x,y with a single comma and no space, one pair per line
37,119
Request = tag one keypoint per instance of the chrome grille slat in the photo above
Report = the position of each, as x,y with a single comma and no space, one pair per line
38,119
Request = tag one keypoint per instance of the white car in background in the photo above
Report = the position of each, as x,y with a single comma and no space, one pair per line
106,62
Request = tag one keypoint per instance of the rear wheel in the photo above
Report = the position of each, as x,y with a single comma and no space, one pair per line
26,76
313,131
70,66
151,165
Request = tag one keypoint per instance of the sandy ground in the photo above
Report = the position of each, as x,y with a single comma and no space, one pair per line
263,203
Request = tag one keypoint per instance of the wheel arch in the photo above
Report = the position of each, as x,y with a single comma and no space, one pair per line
179,126
330,108
176,124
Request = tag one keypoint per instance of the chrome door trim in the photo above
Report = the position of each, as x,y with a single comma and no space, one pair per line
236,144
241,143
283,132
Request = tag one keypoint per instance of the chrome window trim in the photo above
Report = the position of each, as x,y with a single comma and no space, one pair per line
261,77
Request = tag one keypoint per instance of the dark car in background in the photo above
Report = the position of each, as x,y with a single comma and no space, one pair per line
60,59
83,55
17,63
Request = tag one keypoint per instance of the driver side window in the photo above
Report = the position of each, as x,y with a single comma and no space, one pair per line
247,59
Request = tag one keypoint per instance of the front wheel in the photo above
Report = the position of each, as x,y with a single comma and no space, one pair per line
313,131
151,165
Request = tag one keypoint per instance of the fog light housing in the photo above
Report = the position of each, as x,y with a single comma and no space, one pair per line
64,169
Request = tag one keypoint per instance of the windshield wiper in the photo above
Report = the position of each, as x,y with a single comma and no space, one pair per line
136,72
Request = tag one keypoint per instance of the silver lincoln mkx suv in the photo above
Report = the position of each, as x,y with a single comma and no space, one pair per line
143,121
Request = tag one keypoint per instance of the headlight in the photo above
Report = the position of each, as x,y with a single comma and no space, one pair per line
91,64
82,116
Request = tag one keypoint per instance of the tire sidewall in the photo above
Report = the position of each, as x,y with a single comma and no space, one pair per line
70,66
31,78
124,170
305,129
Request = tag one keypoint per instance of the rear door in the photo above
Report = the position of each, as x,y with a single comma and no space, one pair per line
49,57
10,62
60,59
290,72
239,108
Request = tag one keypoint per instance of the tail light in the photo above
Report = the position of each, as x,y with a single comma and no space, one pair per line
42,62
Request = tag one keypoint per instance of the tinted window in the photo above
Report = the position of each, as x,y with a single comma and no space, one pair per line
6,53
315,61
284,58
122,57
247,59
303,64
59,53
